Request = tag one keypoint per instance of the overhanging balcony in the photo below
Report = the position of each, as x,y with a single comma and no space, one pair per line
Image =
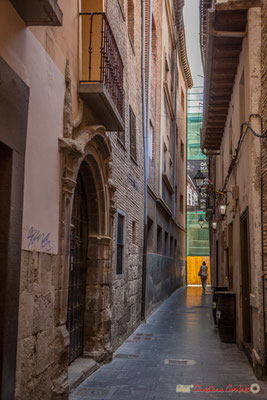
39,12
101,72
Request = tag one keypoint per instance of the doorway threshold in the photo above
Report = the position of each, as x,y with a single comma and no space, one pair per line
79,370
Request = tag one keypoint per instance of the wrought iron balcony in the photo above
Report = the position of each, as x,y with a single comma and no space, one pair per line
39,12
101,71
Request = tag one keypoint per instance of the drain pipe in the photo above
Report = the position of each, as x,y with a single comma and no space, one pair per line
145,126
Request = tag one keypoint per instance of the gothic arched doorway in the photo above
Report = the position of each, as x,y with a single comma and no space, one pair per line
88,318
77,270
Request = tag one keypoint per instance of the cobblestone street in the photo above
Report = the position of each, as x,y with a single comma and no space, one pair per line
152,362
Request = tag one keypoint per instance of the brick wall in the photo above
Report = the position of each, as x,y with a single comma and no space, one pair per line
128,177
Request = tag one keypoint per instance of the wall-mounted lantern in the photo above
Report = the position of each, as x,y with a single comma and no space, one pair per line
222,209
199,178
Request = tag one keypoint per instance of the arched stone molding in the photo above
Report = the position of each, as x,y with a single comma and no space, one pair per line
90,153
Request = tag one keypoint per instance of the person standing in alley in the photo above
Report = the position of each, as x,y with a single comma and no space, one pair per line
203,273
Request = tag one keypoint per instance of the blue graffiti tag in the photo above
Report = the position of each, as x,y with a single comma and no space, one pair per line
35,236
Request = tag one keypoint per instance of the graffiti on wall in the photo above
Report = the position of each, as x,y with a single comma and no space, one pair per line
35,236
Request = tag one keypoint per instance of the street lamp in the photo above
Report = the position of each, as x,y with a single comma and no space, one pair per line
201,222
199,178
222,209
214,225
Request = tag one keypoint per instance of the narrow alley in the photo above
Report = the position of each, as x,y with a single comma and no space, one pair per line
178,345
133,171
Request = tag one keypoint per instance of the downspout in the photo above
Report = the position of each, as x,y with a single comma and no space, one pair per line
145,128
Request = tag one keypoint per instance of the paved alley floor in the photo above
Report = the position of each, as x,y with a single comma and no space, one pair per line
178,345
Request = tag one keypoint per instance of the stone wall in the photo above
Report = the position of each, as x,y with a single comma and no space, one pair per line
42,340
264,110
264,142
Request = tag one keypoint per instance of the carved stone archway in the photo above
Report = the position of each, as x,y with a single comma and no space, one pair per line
90,154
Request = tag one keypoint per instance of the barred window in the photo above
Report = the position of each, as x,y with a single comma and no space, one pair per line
120,242
166,243
132,130
159,239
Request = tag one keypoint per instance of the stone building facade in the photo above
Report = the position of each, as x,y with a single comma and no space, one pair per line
263,112
166,237
233,53
72,180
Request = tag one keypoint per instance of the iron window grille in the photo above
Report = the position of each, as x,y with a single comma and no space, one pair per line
132,129
120,242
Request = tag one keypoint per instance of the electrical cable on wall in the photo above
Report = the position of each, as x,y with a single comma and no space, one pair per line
243,133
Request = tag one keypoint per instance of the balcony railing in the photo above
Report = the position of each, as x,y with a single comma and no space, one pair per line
101,69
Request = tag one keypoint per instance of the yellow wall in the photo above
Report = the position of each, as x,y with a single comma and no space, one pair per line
193,267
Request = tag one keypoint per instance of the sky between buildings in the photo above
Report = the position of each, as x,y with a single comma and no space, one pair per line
191,20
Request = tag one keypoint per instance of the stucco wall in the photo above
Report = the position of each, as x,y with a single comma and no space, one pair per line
22,51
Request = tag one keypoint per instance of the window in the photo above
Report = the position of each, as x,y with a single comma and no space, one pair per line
181,203
120,241
231,138
182,98
242,98
159,239
150,142
167,68
182,150
132,130
150,145
154,39
121,137
171,246
150,241
175,247
131,21
222,169
166,243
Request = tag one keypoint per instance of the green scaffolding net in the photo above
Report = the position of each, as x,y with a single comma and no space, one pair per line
197,237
